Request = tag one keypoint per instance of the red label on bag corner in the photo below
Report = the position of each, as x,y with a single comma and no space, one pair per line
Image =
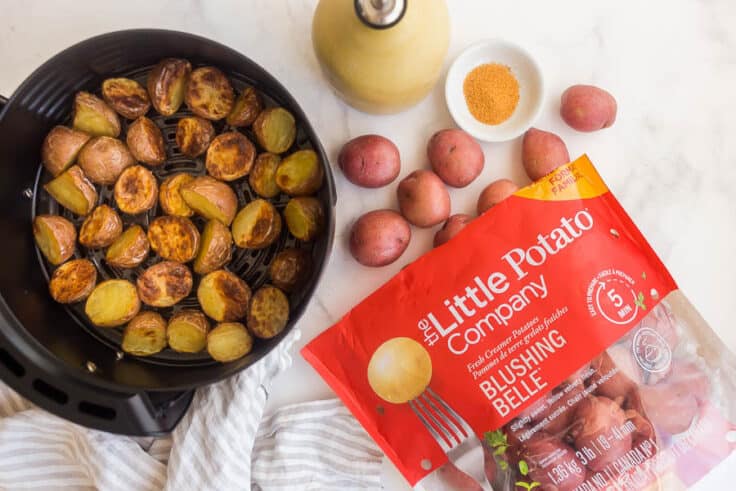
527,294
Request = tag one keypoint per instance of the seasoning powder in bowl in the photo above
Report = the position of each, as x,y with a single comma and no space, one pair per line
491,93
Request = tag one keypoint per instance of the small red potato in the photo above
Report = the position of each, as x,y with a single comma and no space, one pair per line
494,193
379,238
455,156
588,108
423,199
370,161
61,147
542,152
595,418
543,454
451,228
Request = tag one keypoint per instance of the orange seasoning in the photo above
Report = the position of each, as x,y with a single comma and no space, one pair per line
491,93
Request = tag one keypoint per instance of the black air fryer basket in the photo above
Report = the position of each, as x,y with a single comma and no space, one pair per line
50,353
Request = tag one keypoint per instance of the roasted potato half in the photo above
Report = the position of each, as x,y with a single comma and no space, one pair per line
174,238
61,148
169,195
91,115
127,97
211,199
262,177
55,237
100,228
194,135
104,158
268,312
257,225
112,303
300,174
275,129
290,269
216,248
164,284
130,249
167,83
187,331
304,217
229,341
136,190
223,296
73,281
145,334
230,156
246,109
73,191
145,142
209,93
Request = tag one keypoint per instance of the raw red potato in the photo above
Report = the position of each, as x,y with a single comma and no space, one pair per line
455,156
451,228
626,379
596,417
542,152
494,193
423,199
370,161
542,454
588,108
379,238
552,403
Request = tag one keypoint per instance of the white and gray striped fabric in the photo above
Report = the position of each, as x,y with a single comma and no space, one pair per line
311,446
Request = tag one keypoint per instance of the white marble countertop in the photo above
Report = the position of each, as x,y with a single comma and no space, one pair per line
669,157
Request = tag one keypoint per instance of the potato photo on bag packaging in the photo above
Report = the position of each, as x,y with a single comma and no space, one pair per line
73,191
230,156
262,177
246,109
229,341
130,249
174,238
145,334
257,225
216,248
146,142
55,237
170,198
127,97
92,116
268,312
166,84
211,199
61,148
300,174
187,331
209,93
73,281
100,228
164,284
275,129
194,135
112,303
223,296
103,159
136,190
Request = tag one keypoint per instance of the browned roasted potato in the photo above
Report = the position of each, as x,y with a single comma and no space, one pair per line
304,217
73,281
187,331
174,238
145,334
73,191
145,142
223,296
246,109
136,190
91,115
128,250
211,199
209,93
100,228
300,174
257,225
61,147
262,178
268,312
167,84
229,341
112,303
193,135
216,248
169,196
55,237
104,158
290,269
127,97
275,129
230,156
164,284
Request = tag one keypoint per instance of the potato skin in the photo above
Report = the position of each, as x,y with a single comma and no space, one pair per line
169,195
423,199
588,108
290,269
370,161
542,152
229,341
257,225
194,135
91,115
209,93
216,248
223,296
127,97
275,129
211,198
130,249
100,228
73,281
300,174
268,312
103,159
379,238
246,109
166,84
451,228
304,217
174,238
494,193
145,142
456,157
164,284
112,303
55,236
61,148
145,334
136,190
196,325
230,156
72,190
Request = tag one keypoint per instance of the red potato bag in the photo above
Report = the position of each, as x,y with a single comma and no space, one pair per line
550,327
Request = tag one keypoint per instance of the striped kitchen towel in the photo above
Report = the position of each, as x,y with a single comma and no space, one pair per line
221,444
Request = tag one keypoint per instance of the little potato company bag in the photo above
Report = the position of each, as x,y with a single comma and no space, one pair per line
545,347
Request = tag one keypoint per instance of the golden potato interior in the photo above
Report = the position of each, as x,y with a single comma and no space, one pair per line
73,281
136,190
112,303
187,331
174,238
230,156
194,135
209,93
211,199
229,341
167,83
262,178
127,97
170,195
146,142
130,249
55,237
246,109
304,217
268,313
223,296
290,269
164,284
61,147
216,248
91,115
257,225
300,174
73,191
145,334
275,129
100,228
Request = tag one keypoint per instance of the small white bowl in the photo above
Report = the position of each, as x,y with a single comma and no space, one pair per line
531,89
